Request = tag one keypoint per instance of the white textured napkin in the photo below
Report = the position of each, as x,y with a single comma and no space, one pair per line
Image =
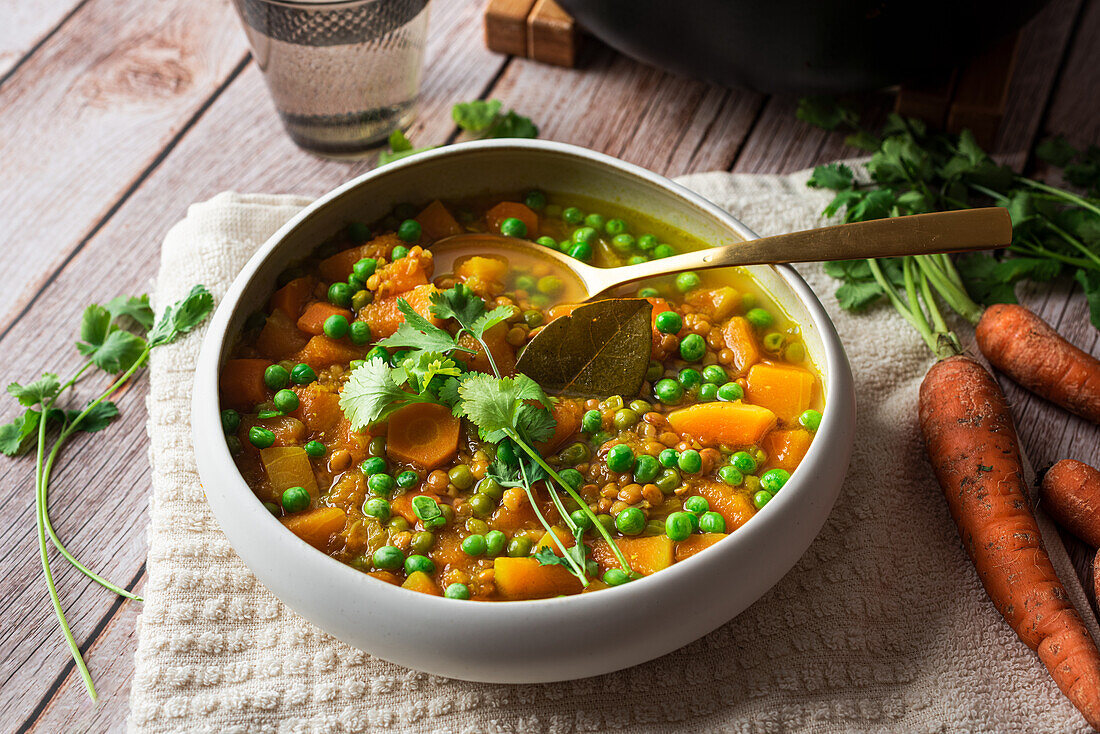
881,627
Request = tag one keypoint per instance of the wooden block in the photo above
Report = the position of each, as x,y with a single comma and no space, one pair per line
551,34
981,93
927,99
506,26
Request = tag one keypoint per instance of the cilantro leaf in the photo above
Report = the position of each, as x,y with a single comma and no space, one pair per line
97,418
1086,172
493,405
1090,282
118,352
371,395
134,307
95,325
399,143
534,424
420,368
1056,151
826,112
458,303
488,320
17,437
416,332
989,280
38,392
181,317
858,296
513,125
835,176
476,116
448,395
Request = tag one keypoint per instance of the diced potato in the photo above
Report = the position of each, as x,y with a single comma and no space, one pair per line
646,555
731,424
509,209
288,466
316,526
292,297
783,389
504,354
567,416
526,578
318,408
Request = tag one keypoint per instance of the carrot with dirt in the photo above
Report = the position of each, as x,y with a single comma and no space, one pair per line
972,444
1070,494
1027,349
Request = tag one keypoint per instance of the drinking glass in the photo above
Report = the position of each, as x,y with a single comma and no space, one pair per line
343,75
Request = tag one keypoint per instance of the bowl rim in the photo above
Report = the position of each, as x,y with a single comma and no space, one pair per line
205,408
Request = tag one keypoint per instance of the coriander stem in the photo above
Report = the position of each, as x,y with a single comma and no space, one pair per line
901,307
1061,193
1034,249
930,301
1077,244
955,296
574,569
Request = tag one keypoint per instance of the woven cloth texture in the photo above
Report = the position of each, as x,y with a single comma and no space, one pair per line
882,626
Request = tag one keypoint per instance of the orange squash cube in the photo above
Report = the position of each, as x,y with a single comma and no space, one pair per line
733,505
732,424
783,389
695,543
422,582
785,449
526,578
316,526
741,340
646,555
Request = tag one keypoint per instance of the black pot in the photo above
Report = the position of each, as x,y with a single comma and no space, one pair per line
802,46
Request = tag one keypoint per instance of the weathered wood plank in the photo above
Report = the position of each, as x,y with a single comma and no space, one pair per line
26,24
89,113
100,495
1073,110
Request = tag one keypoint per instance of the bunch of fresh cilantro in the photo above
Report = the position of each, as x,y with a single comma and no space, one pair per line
914,170
512,412
479,119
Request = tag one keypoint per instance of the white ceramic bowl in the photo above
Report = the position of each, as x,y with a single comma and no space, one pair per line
522,641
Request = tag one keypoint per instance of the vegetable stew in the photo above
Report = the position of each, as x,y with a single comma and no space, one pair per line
375,407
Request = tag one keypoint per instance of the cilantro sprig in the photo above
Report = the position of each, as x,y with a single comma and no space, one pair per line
116,339
914,170
479,119
507,410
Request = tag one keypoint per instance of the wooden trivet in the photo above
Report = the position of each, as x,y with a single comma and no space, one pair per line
536,29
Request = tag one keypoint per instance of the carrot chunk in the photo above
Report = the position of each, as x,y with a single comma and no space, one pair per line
525,578
316,526
425,434
735,507
741,340
733,424
436,222
695,543
242,383
338,267
292,297
646,555
422,582
280,336
507,210
785,449
782,389
312,320
320,352
567,416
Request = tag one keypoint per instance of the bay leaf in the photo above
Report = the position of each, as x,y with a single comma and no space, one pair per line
600,349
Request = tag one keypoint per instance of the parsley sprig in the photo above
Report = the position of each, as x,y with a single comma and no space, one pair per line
511,411
481,118
115,339
914,170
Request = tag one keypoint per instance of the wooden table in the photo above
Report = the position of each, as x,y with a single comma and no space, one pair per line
117,114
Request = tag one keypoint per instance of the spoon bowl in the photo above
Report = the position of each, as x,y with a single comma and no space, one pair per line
920,234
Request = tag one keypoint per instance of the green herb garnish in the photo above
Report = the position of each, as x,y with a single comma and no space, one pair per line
111,347
480,119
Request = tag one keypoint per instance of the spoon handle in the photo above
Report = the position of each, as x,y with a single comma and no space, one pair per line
919,234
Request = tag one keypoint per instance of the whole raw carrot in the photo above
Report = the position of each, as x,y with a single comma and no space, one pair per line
1024,347
1070,494
973,448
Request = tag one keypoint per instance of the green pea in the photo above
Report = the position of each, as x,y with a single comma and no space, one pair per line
581,251
273,508
773,479
669,322
759,318
668,391
540,300
662,251
378,353
422,542
669,458
231,421
592,421
339,294
810,420
631,521
692,348
286,401
234,445
794,352
416,563
261,438
654,370
359,332
407,479
565,246
607,521
398,524
473,545
388,558
615,577
336,326
647,242
744,462
730,392
409,231
668,480
461,476
572,215
296,499
748,302
506,452
708,392
625,418
356,364
490,488
519,547
381,484
696,505
358,232
535,200
495,542
532,318
373,465
678,526
773,341
640,406
364,268
581,519
547,242
620,458
276,377
690,461
715,374
624,243
731,475
596,221
687,281
399,253
761,498
615,227
457,591
550,285
482,505
575,453
712,522
302,374
398,357
584,235
265,413
648,292
689,378
646,469
572,477
513,227
377,507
